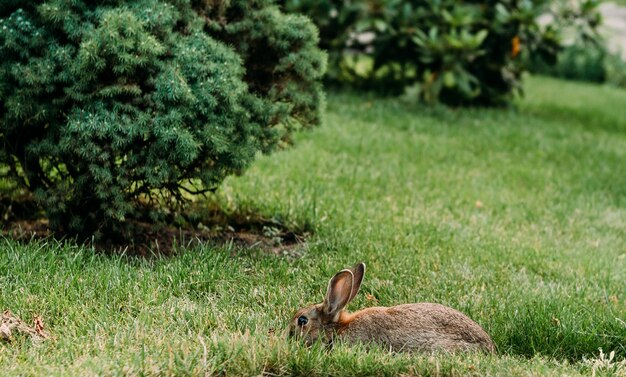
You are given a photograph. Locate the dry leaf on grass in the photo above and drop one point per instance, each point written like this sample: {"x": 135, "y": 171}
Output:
{"x": 5, "y": 331}
{"x": 371, "y": 298}
{"x": 39, "y": 327}
{"x": 11, "y": 325}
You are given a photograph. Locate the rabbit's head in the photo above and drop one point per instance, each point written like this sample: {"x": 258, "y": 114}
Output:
{"x": 321, "y": 321}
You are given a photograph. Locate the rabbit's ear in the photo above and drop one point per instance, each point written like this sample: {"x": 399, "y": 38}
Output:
{"x": 338, "y": 294}
{"x": 357, "y": 272}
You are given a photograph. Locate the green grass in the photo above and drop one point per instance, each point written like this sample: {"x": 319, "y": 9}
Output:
{"x": 540, "y": 263}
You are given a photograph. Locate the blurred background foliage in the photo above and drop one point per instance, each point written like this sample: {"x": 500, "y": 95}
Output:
{"x": 455, "y": 52}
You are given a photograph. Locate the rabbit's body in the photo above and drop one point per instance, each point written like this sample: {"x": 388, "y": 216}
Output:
{"x": 424, "y": 327}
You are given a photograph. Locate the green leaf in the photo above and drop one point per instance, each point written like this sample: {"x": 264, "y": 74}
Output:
{"x": 448, "y": 79}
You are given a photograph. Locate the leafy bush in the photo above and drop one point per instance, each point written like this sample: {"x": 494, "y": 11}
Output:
{"x": 585, "y": 55}
{"x": 465, "y": 52}
{"x": 583, "y": 62}
{"x": 589, "y": 62}
{"x": 583, "y": 52}
{"x": 615, "y": 68}
{"x": 111, "y": 107}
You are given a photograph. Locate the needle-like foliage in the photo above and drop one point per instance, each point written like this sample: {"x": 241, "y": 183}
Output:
{"x": 110, "y": 107}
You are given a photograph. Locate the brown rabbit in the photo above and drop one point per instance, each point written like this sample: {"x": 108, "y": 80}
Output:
{"x": 424, "y": 327}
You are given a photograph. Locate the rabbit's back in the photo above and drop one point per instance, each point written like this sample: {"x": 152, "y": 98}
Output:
{"x": 425, "y": 327}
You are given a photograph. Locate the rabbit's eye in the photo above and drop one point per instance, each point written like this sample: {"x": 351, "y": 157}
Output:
{"x": 302, "y": 320}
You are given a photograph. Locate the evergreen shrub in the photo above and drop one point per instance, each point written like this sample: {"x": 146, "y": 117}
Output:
{"x": 111, "y": 109}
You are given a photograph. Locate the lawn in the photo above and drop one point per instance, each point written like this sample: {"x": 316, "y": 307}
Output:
{"x": 517, "y": 217}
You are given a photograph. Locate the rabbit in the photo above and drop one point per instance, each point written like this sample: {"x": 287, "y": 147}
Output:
{"x": 421, "y": 327}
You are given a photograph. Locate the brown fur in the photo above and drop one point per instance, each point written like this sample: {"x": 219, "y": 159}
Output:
{"x": 423, "y": 327}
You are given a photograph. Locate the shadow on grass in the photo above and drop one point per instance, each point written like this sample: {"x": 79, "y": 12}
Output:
{"x": 580, "y": 116}
{"x": 204, "y": 222}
